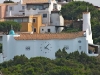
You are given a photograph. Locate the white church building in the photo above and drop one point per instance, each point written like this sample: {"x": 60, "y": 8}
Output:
{"x": 46, "y": 44}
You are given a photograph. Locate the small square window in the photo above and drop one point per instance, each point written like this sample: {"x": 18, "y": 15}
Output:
{"x": 10, "y": 8}
{"x": 48, "y": 30}
{"x": 34, "y": 20}
{"x": 42, "y": 29}
{"x": 80, "y": 47}
{"x": 79, "y": 41}
{"x": 44, "y": 15}
{"x": 34, "y": 29}
{"x": 23, "y": 7}
{"x": 28, "y": 48}
{"x": 23, "y": 13}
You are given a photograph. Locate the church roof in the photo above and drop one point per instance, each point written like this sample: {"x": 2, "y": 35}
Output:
{"x": 49, "y": 36}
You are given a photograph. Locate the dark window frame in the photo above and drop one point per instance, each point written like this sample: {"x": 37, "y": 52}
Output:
{"x": 49, "y": 30}
{"x": 34, "y": 20}
{"x": 10, "y": 8}
{"x": 42, "y": 29}
{"x": 34, "y": 29}
{"x": 23, "y": 7}
{"x": 44, "y": 15}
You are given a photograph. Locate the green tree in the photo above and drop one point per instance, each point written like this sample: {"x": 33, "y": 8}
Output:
{"x": 75, "y": 9}
{"x": 74, "y": 64}
{"x": 61, "y": 53}
{"x": 5, "y": 26}
{"x": 10, "y": 1}
{"x": 20, "y": 59}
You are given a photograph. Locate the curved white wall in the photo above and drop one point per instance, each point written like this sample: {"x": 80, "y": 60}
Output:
{"x": 86, "y": 20}
{"x": 87, "y": 26}
{"x": 57, "y": 20}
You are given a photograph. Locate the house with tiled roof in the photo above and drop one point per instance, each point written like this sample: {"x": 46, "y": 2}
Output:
{"x": 43, "y": 7}
{"x": 3, "y": 10}
{"x": 25, "y": 7}
{"x": 15, "y": 9}
{"x": 46, "y": 44}
{"x": 48, "y": 9}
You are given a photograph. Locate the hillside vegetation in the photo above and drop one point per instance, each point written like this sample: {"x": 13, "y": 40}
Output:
{"x": 64, "y": 64}
{"x": 73, "y": 11}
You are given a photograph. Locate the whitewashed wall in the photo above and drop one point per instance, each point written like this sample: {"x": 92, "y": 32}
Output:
{"x": 45, "y": 11}
{"x": 59, "y": 7}
{"x": 57, "y": 20}
{"x": 1, "y": 57}
{"x": 15, "y": 11}
{"x": 12, "y": 47}
{"x": 9, "y": 46}
{"x": 45, "y": 20}
{"x": 44, "y": 29}
{"x": 87, "y": 26}
{"x": 37, "y": 45}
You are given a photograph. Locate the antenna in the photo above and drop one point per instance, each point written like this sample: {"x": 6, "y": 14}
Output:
{"x": 87, "y": 9}
{"x": 11, "y": 27}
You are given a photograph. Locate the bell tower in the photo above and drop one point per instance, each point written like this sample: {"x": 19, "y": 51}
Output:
{"x": 87, "y": 26}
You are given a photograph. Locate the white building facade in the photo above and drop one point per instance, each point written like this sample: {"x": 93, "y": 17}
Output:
{"x": 42, "y": 8}
{"x": 37, "y": 7}
{"x": 48, "y": 29}
{"x": 16, "y": 9}
{"x": 44, "y": 45}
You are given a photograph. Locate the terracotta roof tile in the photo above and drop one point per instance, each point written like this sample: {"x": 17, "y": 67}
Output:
{"x": 35, "y": 1}
{"x": 27, "y": 36}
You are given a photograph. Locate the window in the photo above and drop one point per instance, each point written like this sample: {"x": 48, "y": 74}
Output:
{"x": 42, "y": 29}
{"x": 27, "y": 47}
{"x": 34, "y": 7}
{"x": 34, "y": 29}
{"x": 34, "y": 20}
{"x": 45, "y": 6}
{"x": 66, "y": 47}
{"x": 23, "y": 13}
{"x": 10, "y": 8}
{"x": 44, "y": 15}
{"x": 23, "y": 7}
{"x": 25, "y": 20}
{"x": 79, "y": 47}
{"x": 40, "y": 7}
{"x": 1, "y": 46}
{"x": 7, "y": 9}
{"x": 79, "y": 41}
{"x": 48, "y": 30}
{"x": 54, "y": 6}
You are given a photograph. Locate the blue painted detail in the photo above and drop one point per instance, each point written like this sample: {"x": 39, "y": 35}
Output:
{"x": 11, "y": 32}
